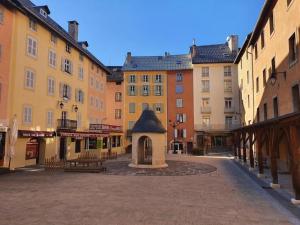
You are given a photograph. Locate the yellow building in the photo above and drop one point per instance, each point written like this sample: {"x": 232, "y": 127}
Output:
{"x": 48, "y": 87}
{"x": 145, "y": 87}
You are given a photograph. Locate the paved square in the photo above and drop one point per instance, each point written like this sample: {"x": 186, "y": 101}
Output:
{"x": 225, "y": 196}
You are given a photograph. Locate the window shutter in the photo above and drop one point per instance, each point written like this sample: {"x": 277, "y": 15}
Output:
{"x": 161, "y": 108}
{"x": 63, "y": 64}
{"x": 61, "y": 87}
{"x": 162, "y": 78}
{"x": 128, "y": 90}
{"x": 69, "y": 92}
{"x": 71, "y": 67}
{"x": 76, "y": 95}
{"x": 184, "y": 117}
{"x": 82, "y": 97}
{"x": 136, "y": 90}
{"x": 149, "y": 90}
{"x": 142, "y": 90}
{"x": 184, "y": 133}
{"x": 153, "y": 78}
{"x": 162, "y": 90}
{"x": 175, "y": 133}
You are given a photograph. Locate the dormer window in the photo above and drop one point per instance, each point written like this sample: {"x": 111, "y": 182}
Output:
{"x": 43, "y": 13}
{"x": 68, "y": 48}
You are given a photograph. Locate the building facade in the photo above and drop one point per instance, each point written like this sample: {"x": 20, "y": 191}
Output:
{"x": 216, "y": 98}
{"x": 276, "y": 99}
{"x": 49, "y": 89}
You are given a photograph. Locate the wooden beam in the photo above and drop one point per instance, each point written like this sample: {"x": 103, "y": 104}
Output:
{"x": 272, "y": 146}
{"x": 295, "y": 147}
{"x": 251, "y": 154}
{"x": 244, "y": 148}
{"x": 260, "y": 154}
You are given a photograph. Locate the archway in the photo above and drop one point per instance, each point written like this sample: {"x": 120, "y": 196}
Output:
{"x": 145, "y": 151}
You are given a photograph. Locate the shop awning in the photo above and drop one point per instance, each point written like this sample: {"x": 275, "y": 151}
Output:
{"x": 81, "y": 135}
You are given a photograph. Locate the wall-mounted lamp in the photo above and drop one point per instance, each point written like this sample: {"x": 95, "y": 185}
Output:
{"x": 61, "y": 104}
{"x": 75, "y": 108}
{"x": 273, "y": 77}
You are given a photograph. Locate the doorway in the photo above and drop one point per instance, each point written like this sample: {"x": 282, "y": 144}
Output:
{"x": 2, "y": 148}
{"x": 62, "y": 148}
{"x": 145, "y": 151}
{"x": 40, "y": 159}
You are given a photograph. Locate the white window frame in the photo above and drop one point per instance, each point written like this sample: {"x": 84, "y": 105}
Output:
{"x": 50, "y": 118}
{"x": 179, "y": 103}
{"x": 52, "y": 58}
{"x": 205, "y": 71}
{"x": 51, "y": 86}
{"x": 158, "y": 90}
{"x": 27, "y": 114}
{"x": 227, "y": 71}
{"x": 32, "y": 47}
{"x": 80, "y": 73}
{"x": 29, "y": 80}
{"x": 205, "y": 85}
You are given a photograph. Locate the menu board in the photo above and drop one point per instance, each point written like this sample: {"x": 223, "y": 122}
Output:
{"x": 32, "y": 149}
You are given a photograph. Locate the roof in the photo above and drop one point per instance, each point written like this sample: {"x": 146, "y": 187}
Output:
{"x": 261, "y": 20}
{"x": 148, "y": 123}
{"x": 219, "y": 53}
{"x": 116, "y": 74}
{"x": 33, "y": 10}
{"x": 158, "y": 63}
{"x": 243, "y": 49}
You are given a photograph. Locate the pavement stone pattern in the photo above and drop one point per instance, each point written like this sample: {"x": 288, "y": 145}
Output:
{"x": 225, "y": 196}
{"x": 175, "y": 168}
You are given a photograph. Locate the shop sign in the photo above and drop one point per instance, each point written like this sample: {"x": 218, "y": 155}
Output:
{"x": 105, "y": 128}
{"x": 29, "y": 134}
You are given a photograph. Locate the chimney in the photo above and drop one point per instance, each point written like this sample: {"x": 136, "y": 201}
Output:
{"x": 84, "y": 44}
{"x": 73, "y": 29}
{"x": 128, "y": 58}
{"x": 233, "y": 43}
{"x": 194, "y": 51}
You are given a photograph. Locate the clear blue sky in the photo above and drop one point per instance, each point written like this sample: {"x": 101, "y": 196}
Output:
{"x": 151, "y": 27}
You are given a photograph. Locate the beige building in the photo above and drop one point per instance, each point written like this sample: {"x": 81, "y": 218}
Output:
{"x": 216, "y": 95}
{"x": 274, "y": 90}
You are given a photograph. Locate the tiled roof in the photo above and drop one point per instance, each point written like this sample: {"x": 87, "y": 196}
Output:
{"x": 116, "y": 74}
{"x": 220, "y": 53}
{"x": 148, "y": 123}
{"x": 158, "y": 63}
{"x": 33, "y": 10}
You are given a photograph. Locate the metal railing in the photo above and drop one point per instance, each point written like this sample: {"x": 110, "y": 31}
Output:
{"x": 66, "y": 124}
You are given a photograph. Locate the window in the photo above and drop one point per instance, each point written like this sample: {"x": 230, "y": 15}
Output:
{"x": 158, "y": 90}
{"x": 131, "y": 124}
{"x": 118, "y": 114}
{"x": 265, "y": 111}
{"x": 29, "y": 79}
{"x": 27, "y": 114}
{"x": 1, "y": 16}
{"x": 145, "y": 106}
{"x": 205, "y": 102}
{"x": 158, "y": 78}
{"x": 131, "y": 107}
{"x": 275, "y": 107}
{"x": 181, "y": 117}
{"x": 81, "y": 57}
{"x": 145, "y": 90}
{"x": 52, "y": 58}
{"x": 67, "y": 66}
{"x": 248, "y": 77}
{"x": 80, "y": 73}
{"x": 179, "y": 89}
{"x": 296, "y": 98}
{"x": 53, "y": 39}
{"x": 132, "y": 79}
{"x": 131, "y": 90}
{"x": 288, "y": 2}
{"x": 273, "y": 63}
{"x": 179, "y": 103}
{"x": 68, "y": 48}
{"x": 158, "y": 108}
{"x": 31, "y": 47}
{"x": 248, "y": 101}
{"x": 32, "y": 25}
{"x": 50, "y": 119}
{"x": 257, "y": 115}
{"x": 264, "y": 77}
{"x": 145, "y": 78}
{"x": 292, "y": 49}
{"x": 92, "y": 100}
{"x": 205, "y": 71}
{"x": 97, "y": 85}
{"x": 91, "y": 81}
{"x": 205, "y": 85}
{"x": 65, "y": 91}
{"x": 79, "y": 96}
{"x": 255, "y": 51}
{"x": 51, "y": 86}
{"x": 227, "y": 71}
{"x": 228, "y": 103}
{"x": 206, "y": 121}
{"x": 262, "y": 39}
{"x": 228, "y": 122}
{"x": 118, "y": 97}
{"x": 228, "y": 85}
{"x": 271, "y": 22}
{"x": 257, "y": 84}
{"x": 179, "y": 77}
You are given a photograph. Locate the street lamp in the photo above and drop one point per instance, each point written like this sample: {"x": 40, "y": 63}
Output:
{"x": 75, "y": 108}
{"x": 174, "y": 125}
{"x": 273, "y": 77}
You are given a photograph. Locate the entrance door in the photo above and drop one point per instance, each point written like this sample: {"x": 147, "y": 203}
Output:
{"x": 62, "y": 148}
{"x": 189, "y": 147}
{"x": 2, "y": 148}
{"x": 41, "y": 152}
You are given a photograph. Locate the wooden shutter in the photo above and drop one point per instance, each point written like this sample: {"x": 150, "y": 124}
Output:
{"x": 184, "y": 117}
{"x": 161, "y": 107}
{"x": 63, "y": 64}
{"x": 162, "y": 90}
{"x": 69, "y": 92}
{"x": 71, "y": 67}
{"x": 61, "y": 87}
{"x": 76, "y": 95}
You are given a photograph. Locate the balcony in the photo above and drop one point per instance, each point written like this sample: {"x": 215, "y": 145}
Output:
{"x": 64, "y": 124}
{"x": 206, "y": 109}
{"x": 229, "y": 110}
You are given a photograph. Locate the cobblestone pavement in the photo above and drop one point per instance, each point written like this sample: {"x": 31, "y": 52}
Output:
{"x": 225, "y": 196}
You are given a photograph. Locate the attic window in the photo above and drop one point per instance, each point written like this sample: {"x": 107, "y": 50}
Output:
{"x": 43, "y": 13}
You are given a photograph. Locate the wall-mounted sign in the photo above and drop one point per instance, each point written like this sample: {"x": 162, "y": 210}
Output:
{"x": 105, "y": 128}
{"x": 32, "y": 148}
{"x": 29, "y": 134}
